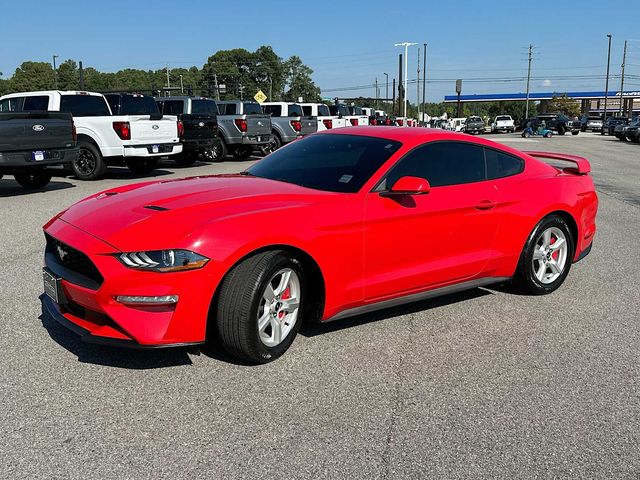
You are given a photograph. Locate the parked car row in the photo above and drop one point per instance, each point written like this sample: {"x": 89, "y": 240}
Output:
{"x": 628, "y": 130}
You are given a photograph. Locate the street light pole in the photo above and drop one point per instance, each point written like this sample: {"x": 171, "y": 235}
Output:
{"x": 55, "y": 73}
{"x": 526, "y": 114}
{"x": 406, "y": 46}
{"x": 386, "y": 83}
{"x": 606, "y": 87}
{"x": 624, "y": 60}
{"x": 181, "y": 85}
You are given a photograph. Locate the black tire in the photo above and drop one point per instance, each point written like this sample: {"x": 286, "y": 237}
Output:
{"x": 32, "y": 179}
{"x": 525, "y": 279}
{"x": 220, "y": 151}
{"x": 89, "y": 165}
{"x": 186, "y": 159}
{"x": 142, "y": 166}
{"x": 526, "y": 134}
{"x": 575, "y": 133}
{"x": 242, "y": 152}
{"x": 239, "y": 301}
{"x": 562, "y": 130}
{"x": 272, "y": 146}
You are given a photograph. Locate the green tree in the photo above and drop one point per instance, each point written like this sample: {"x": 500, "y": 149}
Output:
{"x": 30, "y": 76}
{"x": 68, "y": 75}
{"x": 564, "y": 104}
{"x": 299, "y": 82}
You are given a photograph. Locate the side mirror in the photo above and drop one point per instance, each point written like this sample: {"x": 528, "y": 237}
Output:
{"x": 408, "y": 186}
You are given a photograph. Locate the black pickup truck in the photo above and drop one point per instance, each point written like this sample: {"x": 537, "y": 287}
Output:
{"x": 199, "y": 117}
{"x": 560, "y": 123}
{"x": 32, "y": 141}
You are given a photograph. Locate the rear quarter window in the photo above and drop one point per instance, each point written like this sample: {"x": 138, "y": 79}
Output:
{"x": 251, "y": 108}
{"x": 84, "y": 105}
{"x": 39, "y": 102}
{"x": 500, "y": 164}
{"x": 273, "y": 110}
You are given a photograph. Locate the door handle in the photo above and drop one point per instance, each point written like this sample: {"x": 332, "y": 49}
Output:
{"x": 486, "y": 205}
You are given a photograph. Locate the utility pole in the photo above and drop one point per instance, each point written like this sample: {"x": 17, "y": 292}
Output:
{"x": 181, "y": 85}
{"x": 377, "y": 106}
{"x": 526, "y": 114}
{"x": 386, "y": 93}
{"x": 393, "y": 104}
{"x": 55, "y": 73}
{"x": 168, "y": 84}
{"x": 81, "y": 72}
{"x": 424, "y": 80}
{"x": 418, "y": 87}
{"x": 624, "y": 60}
{"x": 400, "y": 92}
{"x": 406, "y": 46}
{"x": 606, "y": 86}
{"x": 215, "y": 80}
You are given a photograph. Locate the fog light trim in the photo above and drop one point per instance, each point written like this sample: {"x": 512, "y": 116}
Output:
{"x": 147, "y": 300}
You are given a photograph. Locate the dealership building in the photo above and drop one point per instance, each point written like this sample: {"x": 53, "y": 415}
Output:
{"x": 590, "y": 102}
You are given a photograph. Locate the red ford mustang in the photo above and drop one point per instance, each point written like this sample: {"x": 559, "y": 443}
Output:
{"x": 333, "y": 225}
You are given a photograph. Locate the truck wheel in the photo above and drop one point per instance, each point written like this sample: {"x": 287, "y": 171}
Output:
{"x": 89, "y": 165}
{"x": 272, "y": 146}
{"x": 575, "y": 133}
{"x": 142, "y": 165}
{"x": 33, "y": 179}
{"x": 220, "y": 152}
{"x": 242, "y": 152}
{"x": 561, "y": 130}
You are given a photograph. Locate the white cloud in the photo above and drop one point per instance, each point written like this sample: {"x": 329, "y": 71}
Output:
{"x": 546, "y": 83}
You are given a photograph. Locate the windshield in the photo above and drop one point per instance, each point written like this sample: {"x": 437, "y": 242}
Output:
{"x": 204, "y": 107}
{"x": 251, "y": 108}
{"x": 334, "y": 163}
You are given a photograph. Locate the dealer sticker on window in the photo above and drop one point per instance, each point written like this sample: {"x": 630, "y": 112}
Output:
{"x": 345, "y": 178}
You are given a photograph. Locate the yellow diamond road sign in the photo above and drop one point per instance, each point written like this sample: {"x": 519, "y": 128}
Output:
{"x": 260, "y": 96}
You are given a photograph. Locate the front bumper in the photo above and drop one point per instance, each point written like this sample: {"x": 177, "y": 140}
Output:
{"x": 92, "y": 311}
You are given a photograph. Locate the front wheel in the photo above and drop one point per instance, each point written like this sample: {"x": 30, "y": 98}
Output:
{"x": 32, "y": 179}
{"x": 546, "y": 258}
{"x": 242, "y": 152}
{"x": 260, "y": 305}
{"x": 186, "y": 159}
{"x": 219, "y": 152}
{"x": 575, "y": 133}
{"x": 272, "y": 146}
{"x": 526, "y": 134}
{"x": 562, "y": 130}
{"x": 142, "y": 166}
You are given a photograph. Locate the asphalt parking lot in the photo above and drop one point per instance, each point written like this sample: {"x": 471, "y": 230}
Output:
{"x": 480, "y": 384}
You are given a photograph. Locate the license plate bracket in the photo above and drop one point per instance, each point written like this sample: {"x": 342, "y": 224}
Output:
{"x": 52, "y": 286}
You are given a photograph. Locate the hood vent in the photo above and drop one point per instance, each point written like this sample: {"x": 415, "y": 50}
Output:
{"x": 155, "y": 207}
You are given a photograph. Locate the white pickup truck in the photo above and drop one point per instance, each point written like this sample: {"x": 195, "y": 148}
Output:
{"x": 503, "y": 123}
{"x": 326, "y": 121}
{"x": 137, "y": 141}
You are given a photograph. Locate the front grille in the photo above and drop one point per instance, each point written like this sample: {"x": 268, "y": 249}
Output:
{"x": 71, "y": 264}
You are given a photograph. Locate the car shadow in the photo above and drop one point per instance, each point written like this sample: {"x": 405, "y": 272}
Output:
{"x": 314, "y": 329}
{"x": 11, "y": 188}
{"x": 112, "y": 356}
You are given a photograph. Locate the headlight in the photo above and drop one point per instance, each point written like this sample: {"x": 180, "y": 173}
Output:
{"x": 163, "y": 260}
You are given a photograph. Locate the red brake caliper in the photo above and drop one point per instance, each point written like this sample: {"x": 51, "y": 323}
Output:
{"x": 555, "y": 254}
{"x": 285, "y": 295}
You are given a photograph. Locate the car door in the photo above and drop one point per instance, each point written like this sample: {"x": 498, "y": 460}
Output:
{"x": 416, "y": 242}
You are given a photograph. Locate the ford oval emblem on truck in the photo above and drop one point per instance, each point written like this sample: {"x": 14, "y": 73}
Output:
{"x": 38, "y": 128}
{"x": 201, "y": 124}
{"x": 260, "y": 124}
{"x": 155, "y": 127}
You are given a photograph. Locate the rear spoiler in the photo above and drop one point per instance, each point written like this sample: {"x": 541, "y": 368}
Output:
{"x": 582, "y": 164}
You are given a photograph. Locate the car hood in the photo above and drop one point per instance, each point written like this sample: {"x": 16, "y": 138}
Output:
{"x": 155, "y": 214}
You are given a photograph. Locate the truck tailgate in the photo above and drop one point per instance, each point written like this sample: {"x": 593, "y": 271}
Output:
{"x": 258, "y": 124}
{"x": 199, "y": 126}
{"x": 35, "y": 131}
{"x": 145, "y": 131}
{"x": 309, "y": 125}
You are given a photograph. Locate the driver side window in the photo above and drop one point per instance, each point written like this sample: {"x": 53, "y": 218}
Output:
{"x": 441, "y": 164}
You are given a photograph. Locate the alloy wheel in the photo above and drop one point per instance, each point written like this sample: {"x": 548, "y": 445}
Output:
{"x": 279, "y": 305}
{"x": 550, "y": 255}
{"x": 86, "y": 162}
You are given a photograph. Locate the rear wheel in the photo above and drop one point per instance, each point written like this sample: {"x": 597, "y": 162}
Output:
{"x": 89, "y": 165}
{"x": 575, "y": 133}
{"x": 562, "y": 130}
{"x": 546, "y": 258}
{"x": 260, "y": 305}
{"x": 186, "y": 159}
{"x": 242, "y": 152}
{"x": 272, "y": 146}
{"x": 32, "y": 178}
{"x": 220, "y": 151}
{"x": 142, "y": 165}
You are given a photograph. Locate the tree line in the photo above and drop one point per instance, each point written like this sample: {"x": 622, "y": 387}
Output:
{"x": 230, "y": 73}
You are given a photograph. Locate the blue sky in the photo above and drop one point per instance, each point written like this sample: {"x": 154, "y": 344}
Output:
{"x": 347, "y": 43}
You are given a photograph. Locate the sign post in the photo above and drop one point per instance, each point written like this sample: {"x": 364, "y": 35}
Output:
{"x": 458, "y": 91}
